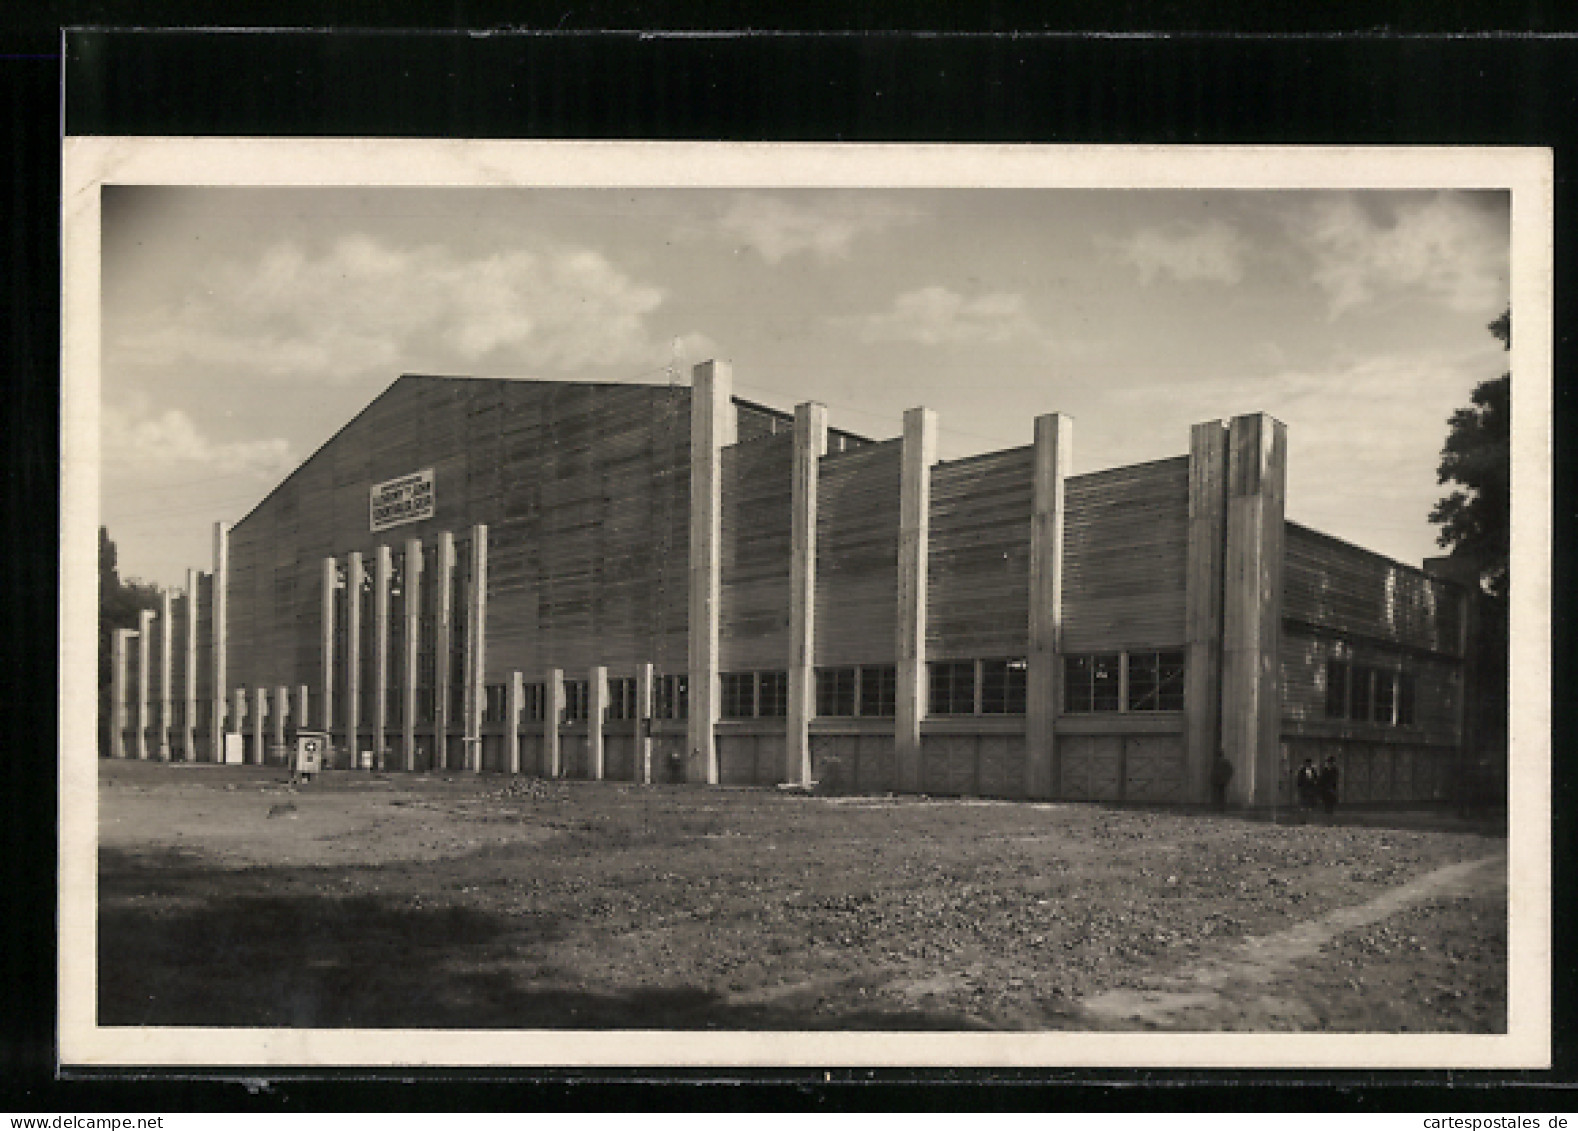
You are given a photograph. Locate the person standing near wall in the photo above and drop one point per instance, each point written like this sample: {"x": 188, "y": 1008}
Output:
{"x": 1221, "y": 774}
{"x": 1327, "y": 785}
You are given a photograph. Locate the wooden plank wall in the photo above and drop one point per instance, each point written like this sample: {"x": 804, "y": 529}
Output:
{"x": 857, "y": 526}
{"x": 575, "y": 482}
{"x": 756, "y": 526}
{"x": 1333, "y": 584}
{"x": 1126, "y": 541}
{"x": 978, "y": 572}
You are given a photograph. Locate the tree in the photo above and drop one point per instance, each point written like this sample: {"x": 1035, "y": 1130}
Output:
{"x": 1475, "y": 519}
{"x": 119, "y": 603}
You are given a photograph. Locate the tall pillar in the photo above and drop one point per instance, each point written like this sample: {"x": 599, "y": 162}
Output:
{"x": 476, "y": 646}
{"x": 513, "y": 709}
{"x": 259, "y": 718}
{"x": 810, "y": 445}
{"x": 382, "y": 568}
{"x": 552, "y": 712}
{"x": 166, "y": 673}
{"x": 189, "y": 671}
{"x": 299, "y": 714}
{"x": 712, "y": 428}
{"x": 1252, "y": 602}
{"x": 641, "y": 756}
{"x": 596, "y": 717}
{"x": 326, "y": 639}
{"x": 278, "y": 715}
{"x": 353, "y": 656}
{"x": 119, "y": 646}
{"x": 238, "y": 712}
{"x": 217, "y": 630}
{"x": 1203, "y": 604}
{"x": 144, "y": 681}
{"x": 443, "y": 597}
{"x": 919, "y": 453}
{"x": 1054, "y": 459}
{"x": 413, "y": 640}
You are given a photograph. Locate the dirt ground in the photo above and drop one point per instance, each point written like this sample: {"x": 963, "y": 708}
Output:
{"x": 229, "y": 898}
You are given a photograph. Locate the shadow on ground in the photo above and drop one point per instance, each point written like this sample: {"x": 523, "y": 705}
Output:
{"x": 182, "y": 944}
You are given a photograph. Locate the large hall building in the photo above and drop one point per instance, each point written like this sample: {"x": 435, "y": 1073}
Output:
{"x": 669, "y": 583}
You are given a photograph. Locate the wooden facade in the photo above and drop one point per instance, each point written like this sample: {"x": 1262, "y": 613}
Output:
{"x": 500, "y": 576}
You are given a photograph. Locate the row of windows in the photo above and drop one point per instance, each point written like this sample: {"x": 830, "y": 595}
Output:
{"x": 1108, "y": 682}
{"x": 1123, "y": 681}
{"x": 1360, "y": 693}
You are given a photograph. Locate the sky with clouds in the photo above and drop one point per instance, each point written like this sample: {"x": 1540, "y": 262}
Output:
{"x": 243, "y": 327}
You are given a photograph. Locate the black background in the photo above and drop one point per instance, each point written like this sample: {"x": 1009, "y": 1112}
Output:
{"x": 1423, "y": 73}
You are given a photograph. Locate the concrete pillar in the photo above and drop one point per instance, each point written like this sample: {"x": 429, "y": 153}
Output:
{"x": 919, "y": 453}
{"x": 641, "y": 757}
{"x": 712, "y": 428}
{"x": 165, "y": 688}
{"x": 353, "y": 656}
{"x": 810, "y": 445}
{"x": 513, "y": 709}
{"x": 476, "y": 646}
{"x": 1203, "y": 604}
{"x": 383, "y": 567}
{"x": 119, "y": 647}
{"x": 326, "y": 638}
{"x": 1054, "y": 459}
{"x": 278, "y": 714}
{"x": 299, "y": 714}
{"x": 413, "y": 637}
{"x": 238, "y": 712}
{"x": 217, "y": 630}
{"x": 443, "y": 597}
{"x": 1252, "y": 603}
{"x": 144, "y": 679}
{"x": 596, "y": 717}
{"x": 552, "y": 711}
{"x": 259, "y": 719}
{"x": 189, "y": 671}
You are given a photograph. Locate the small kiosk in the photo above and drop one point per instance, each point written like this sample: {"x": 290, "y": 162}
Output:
{"x": 307, "y": 759}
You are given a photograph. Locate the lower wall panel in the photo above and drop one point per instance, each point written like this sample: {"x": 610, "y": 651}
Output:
{"x": 619, "y": 752}
{"x": 1375, "y": 772}
{"x": 737, "y": 759}
{"x": 1153, "y": 768}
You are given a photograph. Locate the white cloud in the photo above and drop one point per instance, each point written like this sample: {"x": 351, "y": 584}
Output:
{"x": 1212, "y": 252}
{"x": 936, "y": 315}
{"x": 171, "y": 440}
{"x": 359, "y": 306}
{"x": 776, "y": 228}
{"x": 1444, "y": 246}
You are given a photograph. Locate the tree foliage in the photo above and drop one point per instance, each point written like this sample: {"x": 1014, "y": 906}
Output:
{"x": 1475, "y": 517}
{"x": 119, "y": 603}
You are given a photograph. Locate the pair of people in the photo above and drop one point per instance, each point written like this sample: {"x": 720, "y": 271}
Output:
{"x": 1317, "y": 786}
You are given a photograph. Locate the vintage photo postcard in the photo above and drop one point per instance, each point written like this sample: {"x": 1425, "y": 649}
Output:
{"x": 636, "y": 604}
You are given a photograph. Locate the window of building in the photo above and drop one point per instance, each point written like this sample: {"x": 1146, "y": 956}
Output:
{"x": 877, "y": 691}
{"x": 835, "y": 692}
{"x": 575, "y": 700}
{"x": 772, "y": 694}
{"x": 1385, "y": 696}
{"x": 1091, "y": 683}
{"x": 1003, "y": 687}
{"x": 673, "y": 697}
{"x": 739, "y": 695}
{"x": 495, "y": 703}
{"x": 532, "y": 708}
{"x": 394, "y": 706}
{"x": 424, "y": 704}
{"x": 1156, "y": 681}
{"x": 1406, "y": 695}
{"x": 622, "y": 698}
{"x": 1359, "y": 698}
{"x": 1365, "y": 694}
{"x": 952, "y": 687}
{"x": 1336, "y": 689}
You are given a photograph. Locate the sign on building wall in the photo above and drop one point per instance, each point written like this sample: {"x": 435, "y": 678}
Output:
{"x": 398, "y": 501}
